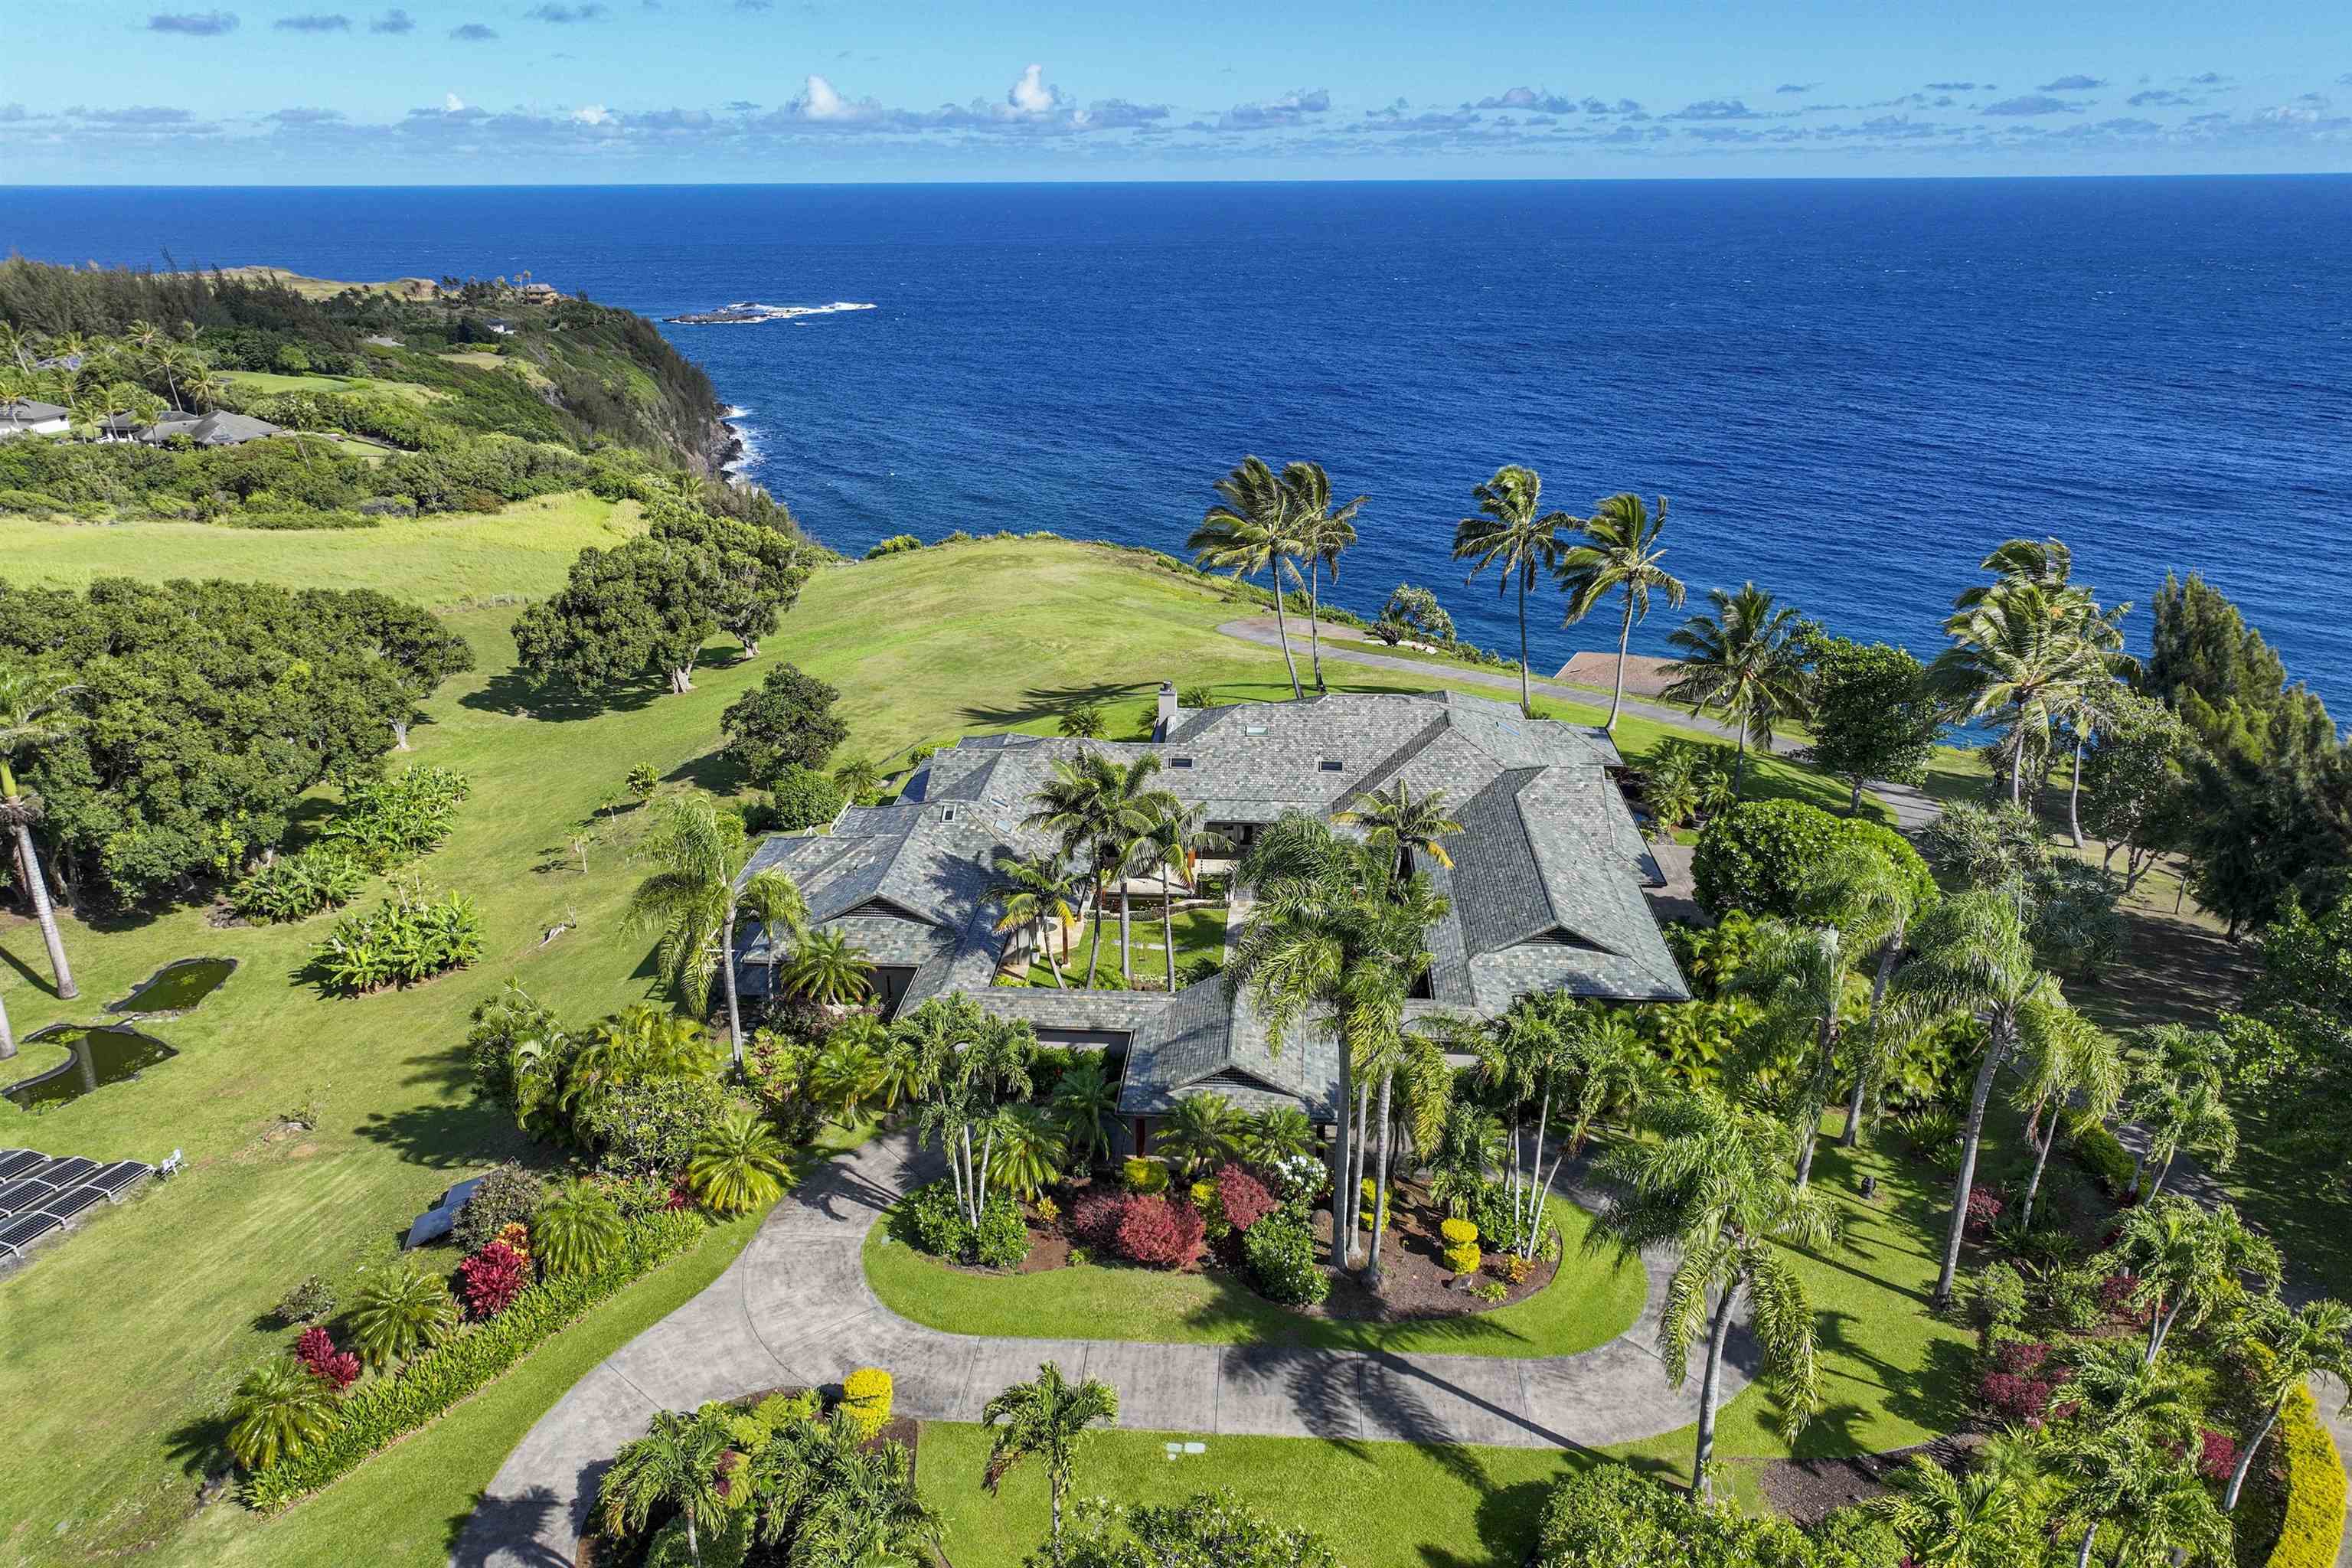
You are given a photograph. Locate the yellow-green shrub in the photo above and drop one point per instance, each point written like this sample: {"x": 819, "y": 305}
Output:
{"x": 865, "y": 1396}
{"x": 2313, "y": 1528}
{"x": 1458, "y": 1232}
{"x": 1466, "y": 1258}
{"x": 1144, "y": 1175}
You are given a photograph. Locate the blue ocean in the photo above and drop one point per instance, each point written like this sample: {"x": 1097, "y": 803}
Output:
{"x": 1848, "y": 390}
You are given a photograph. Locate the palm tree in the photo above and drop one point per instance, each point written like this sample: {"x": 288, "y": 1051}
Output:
{"x": 773, "y": 900}
{"x": 1620, "y": 552}
{"x": 575, "y": 1230}
{"x": 1402, "y": 823}
{"x": 829, "y": 969}
{"x": 1745, "y": 662}
{"x": 966, "y": 1064}
{"x": 639, "y": 1042}
{"x": 7, "y": 1035}
{"x": 858, "y": 777}
{"x": 1256, "y": 528}
{"x": 1712, "y": 1181}
{"x": 1983, "y": 1518}
{"x": 1029, "y": 1152}
{"x": 738, "y": 1165}
{"x": 1615, "y": 1072}
{"x": 2302, "y": 1342}
{"x": 2019, "y": 652}
{"x": 1036, "y": 892}
{"x": 1537, "y": 1036}
{"x": 280, "y": 1409}
{"x": 2186, "y": 1111}
{"x": 1179, "y": 836}
{"x": 1085, "y": 1108}
{"x": 2162, "y": 1508}
{"x": 1324, "y": 531}
{"x": 693, "y": 902}
{"x": 1799, "y": 972}
{"x": 1972, "y": 956}
{"x": 1385, "y": 1049}
{"x": 2187, "y": 1260}
{"x": 34, "y": 712}
{"x": 173, "y": 362}
{"x": 2077, "y": 1067}
{"x": 399, "y": 1312}
{"x": 1045, "y": 1420}
{"x": 1861, "y": 892}
{"x": 852, "y": 1071}
{"x": 1093, "y": 804}
{"x": 675, "y": 1465}
{"x": 825, "y": 1500}
{"x": 1202, "y": 1130}
{"x": 1511, "y": 534}
{"x": 1333, "y": 930}
{"x": 1276, "y": 1133}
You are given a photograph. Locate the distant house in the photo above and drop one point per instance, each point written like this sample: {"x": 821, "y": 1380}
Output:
{"x": 383, "y": 341}
{"x": 503, "y": 329}
{"x": 540, "y": 294}
{"x": 26, "y": 417}
{"x": 62, "y": 362}
{"x": 215, "y": 430}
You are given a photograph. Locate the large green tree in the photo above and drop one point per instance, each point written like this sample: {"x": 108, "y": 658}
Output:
{"x": 1325, "y": 533}
{"x": 1874, "y": 716}
{"x": 785, "y": 722}
{"x": 623, "y": 615}
{"x": 1514, "y": 535}
{"x": 2137, "y": 793}
{"x": 1256, "y": 527}
{"x": 1619, "y": 553}
{"x": 757, "y": 567}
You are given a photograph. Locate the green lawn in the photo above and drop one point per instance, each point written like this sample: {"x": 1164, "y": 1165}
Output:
{"x": 1200, "y": 933}
{"x": 272, "y": 380}
{"x": 1594, "y": 1301}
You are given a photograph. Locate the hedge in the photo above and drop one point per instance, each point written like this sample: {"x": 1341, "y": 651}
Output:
{"x": 2313, "y": 1528}
{"x": 379, "y": 1413}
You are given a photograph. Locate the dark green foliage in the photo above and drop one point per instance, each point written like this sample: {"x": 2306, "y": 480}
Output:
{"x": 509, "y": 1196}
{"x": 309, "y": 1301}
{"x": 404, "y": 939}
{"x": 897, "y": 545}
{"x": 1415, "y": 613}
{"x": 2294, "y": 1035}
{"x": 212, "y": 704}
{"x": 1757, "y": 856}
{"x": 1873, "y": 717}
{"x": 623, "y": 617}
{"x": 927, "y": 1220}
{"x": 385, "y": 822}
{"x": 2258, "y": 834}
{"x": 1280, "y": 1252}
{"x": 1212, "y": 1529}
{"x": 787, "y": 721}
{"x": 650, "y": 1126}
{"x": 296, "y": 887}
{"x": 803, "y": 797}
{"x": 759, "y": 569}
{"x": 2231, "y": 689}
{"x": 1002, "y": 1239}
{"x": 1609, "y": 1516}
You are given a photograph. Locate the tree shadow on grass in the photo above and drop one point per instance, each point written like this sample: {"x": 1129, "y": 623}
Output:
{"x": 1040, "y": 702}
{"x": 199, "y": 1446}
{"x": 445, "y": 1137}
{"x": 717, "y": 772}
{"x": 516, "y": 694}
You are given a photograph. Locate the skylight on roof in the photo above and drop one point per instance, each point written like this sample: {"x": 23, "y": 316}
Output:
{"x": 1180, "y": 761}
{"x": 1254, "y": 729}
{"x": 1334, "y": 765}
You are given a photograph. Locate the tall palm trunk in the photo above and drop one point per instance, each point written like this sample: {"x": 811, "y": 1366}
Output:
{"x": 2017, "y": 765}
{"x": 1046, "y": 939}
{"x": 1282, "y": 631}
{"x": 37, "y": 886}
{"x": 1125, "y": 946}
{"x": 2090, "y": 1534}
{"x": 1357, "y": 1163}
{"x": 1809, "y": 1132}
{"x": 1168, "y": 923}
{"x": 2040, "y": 1159}
{"x": 727, "y": 970}
{"x": 1710, "y": 1391}
{"x": 1739, "y": 761}
{"x": 1093, "y": 936}
{"x": 1342, "y": 1204}
{"x": 2246, "y": 1457}
{"x": 1315, "y": 619}
{"x": 7, "y": 1036}
{"x": 1527, "y": 703}
{"x": 2161, "y": 1172}
{"x": 1535, "y": 1200}
{"x": 1852, "y": 1136}
{"x": 1380, "y": 1184}
{"x": 2075, "y": 797}
{"x": 1971, "y": 1140}
{"x": 1624, "y": 636}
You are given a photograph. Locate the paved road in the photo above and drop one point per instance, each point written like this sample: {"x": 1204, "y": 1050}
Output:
{"x": 795, "y": 1310}
{"x": 1913, "y": 809}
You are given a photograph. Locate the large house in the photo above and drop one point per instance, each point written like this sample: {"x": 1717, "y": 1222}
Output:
{"x": 24, "y": 416}
{"x": 1546, "y": 887}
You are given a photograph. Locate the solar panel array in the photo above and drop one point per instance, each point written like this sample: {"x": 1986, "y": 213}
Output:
{"x": 39, "y": 1192}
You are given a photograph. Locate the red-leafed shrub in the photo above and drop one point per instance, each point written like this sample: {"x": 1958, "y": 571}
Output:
{"x": 2114, "y": 1296}
{"x": 1162, "y": 1234}
{"x": 681, "y": 1196}
{"x": 1093, "y": 1218}
{"x": 316, "y": 1351}
{"x": 2217, "y": 1455}
{"x": 1984, "y": 1209}
{"x": 2026, "y": 1358}
{"x": 493, "y": 1277}
{"x": 2022, "y": 1400}
{"x": 1245, "y": 1197}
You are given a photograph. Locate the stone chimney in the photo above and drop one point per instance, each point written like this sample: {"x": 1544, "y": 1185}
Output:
{"x": 1165, "y": 723}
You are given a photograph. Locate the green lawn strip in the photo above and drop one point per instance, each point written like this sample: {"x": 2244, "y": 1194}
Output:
{"x": 1594, "y": 1301}
{"x": 1200, "y": 933}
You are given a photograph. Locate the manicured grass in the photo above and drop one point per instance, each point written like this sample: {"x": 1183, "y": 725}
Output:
{"x": 1200, "y": 933}
{"x": 271, "y": 381}
{"x": 445, "y": 560}
{"x": 1594, "y": 1301}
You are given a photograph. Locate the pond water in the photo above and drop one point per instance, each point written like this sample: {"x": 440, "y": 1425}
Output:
{"x": 102, "y": 1054}
{"x": 177, "y": 987}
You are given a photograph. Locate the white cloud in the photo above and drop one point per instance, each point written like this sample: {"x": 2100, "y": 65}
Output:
{"x": 819, "y": 101}
{"x": 452, "y": 103}
{"x": 591, "y": 114}
{"x": 1030, "y": 94}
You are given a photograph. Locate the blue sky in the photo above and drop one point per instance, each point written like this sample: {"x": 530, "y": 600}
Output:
{"x": 478, "y": 91}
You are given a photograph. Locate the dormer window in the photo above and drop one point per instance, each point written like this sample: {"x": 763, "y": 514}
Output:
{"x": 947, "y": 814}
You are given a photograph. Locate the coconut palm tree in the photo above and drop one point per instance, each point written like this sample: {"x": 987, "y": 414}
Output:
{"x": 829, "y": 969}
{"x": 33, "y": 711}
{"x": 1619, "y": 554}
{"x": 675, "y": 1465}
{"x": 1178, "y": 837}
{"x": 7, "y": 1035}
{"x": 1745, "y": 662}
{"x": 280, "y": 1409}
{"x": 1512, "y": 534}
{"x": 2187, "y": 1259}
{"x": 2078, "y": 1067}
{"x": 1045, "y": 1420}
{"x": 1971, "y": 955}
{"x": 1402, "y": 823}
{"x": 575, "y": 1230}
{"x": 773, "y": 900}
{"x": 2186, "y": 1111}
{"x": 1036, "y": 892}
{"x": 1538, "y": 1036}
{"x": 1862, "y": 893}
{"x": 1326, "y": 531}
{"x": 1712, "y": 1181}
{"x": 1256, "y": 528}
{"x": 2020, "y": 653}
{"x": 738, "y": 1165}
{"x": 1333, "y": 924}
{"x": 1097, "y": 807}
{"x": 693, "y": 902}
{"x": 2162, "y": 1512}
{"x": 399, "y": 1312}
{"x": 2302, "y": 1342}
{"x": 1085, "y": 1108}
{"x": 1983, "y": 1517}
{"x": 207, "y": 387}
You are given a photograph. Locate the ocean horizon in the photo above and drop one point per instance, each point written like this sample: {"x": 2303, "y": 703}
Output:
{"x": 1848, "y": 390}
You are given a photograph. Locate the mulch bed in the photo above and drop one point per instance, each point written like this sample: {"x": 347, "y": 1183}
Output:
{"x": 1808, "y": 1490}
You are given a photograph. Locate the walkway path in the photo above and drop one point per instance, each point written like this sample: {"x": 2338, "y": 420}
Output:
{"x": 795, "y": 1310}
{"x": 1913, "y": 809}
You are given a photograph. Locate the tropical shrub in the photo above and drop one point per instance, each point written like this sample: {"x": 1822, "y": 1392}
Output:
{"x": 1212, "y": 1529}
{"x": 1161, "y": 1232}
{"x": 1296, "y": 1178}
{"x": 2312, "y": 1530}
{"x": 295, "y": 887}
{"x": 800, "y": 798}
{"x": 384, "y": 1409}
{"x": 1001, "y": 1240}
{"x": 1242, "y": 1198}
{"x": 389, "y": 821}
{"x": 1142, "y": 1173}
{"x": 737, "y": 1163}
{"x": 1093, "y": 1218}
{"x": 2217, "y": 1454}
{"x": 493, "y": 1278}
{"x": 1458, "y": 1232}
{"x": 309, "y": 1301}
{"x": 1996, "y": 1298}
{"x": 1280, "y": 1255}
{"x": 509, "y": 1196}
{"x": 2101, "y": 1153}
{"x": 897, "y": 545}
{"x": 866, "y": 1397}
{"x": 406, "y": 939}
{"x": 1465, "y": 1260}
{"x": 279, "y": 1412}
{"x": 576, "y": 1231}
{"x": 315, "y": 1349}
{"x": 931, "y": 1219}
{"x": 399, "y": 1312}
{"x": 1610, "y": 1516}
{"x": 652, "y": 1126}
{"x": 778, "y": 1411}
{"x": 1758, "y": 854}
{"x": 1985, "y": 1209}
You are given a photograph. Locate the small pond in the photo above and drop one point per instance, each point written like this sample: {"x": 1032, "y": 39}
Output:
{"x": 177, "y": 987}
{"x": 102, "y": 1054}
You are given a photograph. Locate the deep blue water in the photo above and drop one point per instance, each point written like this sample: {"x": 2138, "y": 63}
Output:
{"x": 1849, "y": 390}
